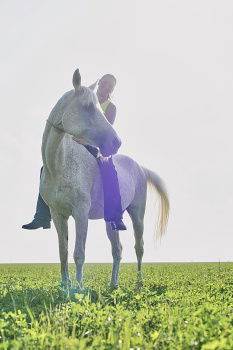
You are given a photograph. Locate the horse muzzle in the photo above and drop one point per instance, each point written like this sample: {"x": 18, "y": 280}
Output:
{"x": 110, "y": 148}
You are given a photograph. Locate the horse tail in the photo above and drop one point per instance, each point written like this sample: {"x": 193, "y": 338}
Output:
{"x": 156, "y": 183}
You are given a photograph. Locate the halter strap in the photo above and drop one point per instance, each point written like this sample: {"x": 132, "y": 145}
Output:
{"x": 55, "y": 127}
{"x": 65, "y": 132}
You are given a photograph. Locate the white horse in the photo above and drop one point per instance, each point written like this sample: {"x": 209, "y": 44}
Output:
{"x": 71, "y": 183}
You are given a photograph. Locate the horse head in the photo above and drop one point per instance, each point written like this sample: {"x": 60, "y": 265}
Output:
{"x": 84, "y": 119}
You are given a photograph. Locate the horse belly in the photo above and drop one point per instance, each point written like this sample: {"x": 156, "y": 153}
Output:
{"x": 97, "y": 199}
{"x": 127, "y": 187}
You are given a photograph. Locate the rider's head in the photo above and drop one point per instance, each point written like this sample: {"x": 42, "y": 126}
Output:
{"x": 106, "y": 85}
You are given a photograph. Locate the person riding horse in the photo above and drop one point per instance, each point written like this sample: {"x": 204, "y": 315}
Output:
{"x": 112, "y": 198}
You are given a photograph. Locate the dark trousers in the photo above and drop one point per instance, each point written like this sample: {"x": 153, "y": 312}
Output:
{"x": 112, "y": 197}
{"x": 42, "y": 210}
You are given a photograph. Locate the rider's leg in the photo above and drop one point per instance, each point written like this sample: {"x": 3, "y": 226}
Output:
{"x": 112, "y": 198}
{"x": 42, "y": 216}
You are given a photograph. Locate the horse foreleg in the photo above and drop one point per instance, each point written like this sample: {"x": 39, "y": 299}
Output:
{"x": 61, "y": 225}
{"x": 81, "y": 225}
{"x": 116, "y": 252}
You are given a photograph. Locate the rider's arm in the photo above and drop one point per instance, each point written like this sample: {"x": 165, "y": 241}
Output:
{"x": 110, "y": 113}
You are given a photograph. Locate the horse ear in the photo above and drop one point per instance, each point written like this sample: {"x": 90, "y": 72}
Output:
{"x": 76, "y": 79}
{"x": 94, "y": 85}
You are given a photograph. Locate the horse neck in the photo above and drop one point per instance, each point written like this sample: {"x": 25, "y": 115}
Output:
{"x": 57, "y": 147}
{"x": 51, "y": 142}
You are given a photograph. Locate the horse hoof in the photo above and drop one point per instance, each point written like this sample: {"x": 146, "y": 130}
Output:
{"x": 139, "y": 284}
{"x": 113, "y": 286}
{"x": 79, "y": 285}
{"x": 66, "y": 284}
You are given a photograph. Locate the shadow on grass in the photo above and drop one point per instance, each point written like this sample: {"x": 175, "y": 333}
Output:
{"x": 158, "y": 289}
{"x": 37, "y": 300}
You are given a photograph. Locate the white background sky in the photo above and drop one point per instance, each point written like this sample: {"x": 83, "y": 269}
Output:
{"x": 173, "y": 62}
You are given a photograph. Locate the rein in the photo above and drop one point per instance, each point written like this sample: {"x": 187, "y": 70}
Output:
{"x": 91, "y": 149}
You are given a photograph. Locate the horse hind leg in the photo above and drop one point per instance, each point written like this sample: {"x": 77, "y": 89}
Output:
{"x": 116, "y": 253}
{"x": 61, "y": 225}
{"x": 136, "y": 211}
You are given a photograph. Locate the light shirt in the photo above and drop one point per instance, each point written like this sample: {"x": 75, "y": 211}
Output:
{"x": 105, "y": 105}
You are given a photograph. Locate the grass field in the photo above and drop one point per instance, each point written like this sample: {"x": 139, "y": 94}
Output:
{"x": 180, "y": 306}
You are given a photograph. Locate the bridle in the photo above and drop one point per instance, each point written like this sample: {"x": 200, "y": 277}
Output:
{"x": 65, "y": 132}
{"x": 56, "y": 127}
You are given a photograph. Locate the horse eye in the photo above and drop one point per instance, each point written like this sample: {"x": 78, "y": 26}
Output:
{"x": 90, "y": 108}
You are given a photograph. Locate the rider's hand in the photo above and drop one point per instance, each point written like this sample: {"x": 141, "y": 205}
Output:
{"x": 103, "y": 159}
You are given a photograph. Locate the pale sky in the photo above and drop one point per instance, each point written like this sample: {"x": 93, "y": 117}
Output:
{"x": 173, "y": 63}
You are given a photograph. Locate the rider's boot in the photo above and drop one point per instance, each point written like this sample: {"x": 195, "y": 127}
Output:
{"x": 118, "y": 225}
{"x": 42, "y": 217}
